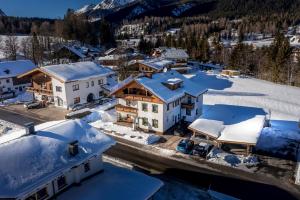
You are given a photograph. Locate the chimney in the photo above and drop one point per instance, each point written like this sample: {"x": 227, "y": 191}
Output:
{"x": 73, "y": 148}
{"x": 29, "y": 127}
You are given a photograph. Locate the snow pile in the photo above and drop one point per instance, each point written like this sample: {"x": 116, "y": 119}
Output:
{"x": 219, "y": 156}
{"x": 103, "y": 113}
{"x": 21, "y": 98}
{"x": 37, "y": 158}
{"x": 7, "y": 127}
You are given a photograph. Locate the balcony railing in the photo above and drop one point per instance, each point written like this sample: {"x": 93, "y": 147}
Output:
{"x": 188, "y": 105}
{"x": 135, "y": 97}
{"x": 122, "y": 108}
{"x": 39, "y": 91}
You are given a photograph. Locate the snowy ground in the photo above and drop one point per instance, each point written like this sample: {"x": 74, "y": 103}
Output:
{"x": 7, "y": 127}
{"x": 21, "y": 98}
{"x": 282, "y": 101}
{"x": 218, "y": 156}
{"x": 103, "y": 118}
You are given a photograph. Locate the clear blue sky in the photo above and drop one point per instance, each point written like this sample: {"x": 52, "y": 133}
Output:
{"x": 41, "y": 8}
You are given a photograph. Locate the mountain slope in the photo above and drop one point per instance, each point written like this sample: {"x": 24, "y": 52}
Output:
{"x": 118, "y": 10}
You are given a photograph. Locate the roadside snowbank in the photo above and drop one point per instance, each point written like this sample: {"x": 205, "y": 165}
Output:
{"x": 21, "y": 98}
{"x": 219, "y": 156}
{"x": 7, "y": 127}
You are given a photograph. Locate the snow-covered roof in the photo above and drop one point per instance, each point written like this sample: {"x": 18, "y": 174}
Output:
{"x": 232, "y": 124}
{"x": 33, "y": 160}
{"x": 247, "y": 131}
{"x": 10, "y": 69}
{"x": 76, "y": 71}
{"x": 156, "y": 86}
{"x": 75, "y": 51}
{"x": 173, "y": 53}
{"x": 109, "y": 51}
{"x": 157, "y": 64}
{"x": 115, "y": 183}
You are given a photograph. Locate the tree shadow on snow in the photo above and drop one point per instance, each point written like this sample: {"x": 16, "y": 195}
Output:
{"x": 211, "y": 81}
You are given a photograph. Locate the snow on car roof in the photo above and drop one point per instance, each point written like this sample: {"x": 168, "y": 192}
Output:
{"x": 77, "y": 71}
{"x": 32, "y": 160}
{"x": 228, "y": 123}
{"x": 156, "y": 86}
{"x": 115, "y": 183}
{"x": 10, "y": 69}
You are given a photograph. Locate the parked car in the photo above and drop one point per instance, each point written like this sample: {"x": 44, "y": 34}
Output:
{"x": 32, "y": 105}
{"x": 185, "y": 146}
{"x": 77, "y": 107}
{"x": 202, "y": 149}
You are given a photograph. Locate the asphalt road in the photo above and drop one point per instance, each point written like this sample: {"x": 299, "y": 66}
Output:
{"x": 176, "y": 170}
{"x": 18, "y": 118}
{"x": 198, "y": 177}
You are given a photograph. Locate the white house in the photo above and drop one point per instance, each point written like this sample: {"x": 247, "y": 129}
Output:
{"x": 9, "y": 70}
{"x": 49, "y": 158}
{"x": 158, "y": 102}
{"x": 66, "y": 85}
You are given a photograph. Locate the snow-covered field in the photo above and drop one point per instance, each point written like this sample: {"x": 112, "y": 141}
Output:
{"x": 281, "y": 100}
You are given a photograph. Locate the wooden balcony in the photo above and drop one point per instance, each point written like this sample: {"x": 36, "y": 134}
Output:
{"x": 188, "y": 105}
{"x": 127, "y": 109}
{"x": 40, "y": 91}
{"x": 136, "y": 97}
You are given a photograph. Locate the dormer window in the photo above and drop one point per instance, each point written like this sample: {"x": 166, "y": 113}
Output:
{"x": 173, "y": 83}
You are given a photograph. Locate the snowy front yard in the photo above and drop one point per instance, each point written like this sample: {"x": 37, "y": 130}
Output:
{"x": 103, "y": 117}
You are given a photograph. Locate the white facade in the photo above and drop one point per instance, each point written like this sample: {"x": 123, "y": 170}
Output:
{"x": 77, "y": 92}
{"x": 166, "y": 116}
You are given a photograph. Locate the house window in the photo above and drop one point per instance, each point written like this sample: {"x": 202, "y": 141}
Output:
{"x": 155, "y": 108}
{"x": 197, "y": 111}
{"x": 127, "y": 102}
{"x": 61, "y": 182}
{"x": 145, "y": 107}
{"x": 168, "y": 106}
{"x": 87, "y": 167}
{"x": 188, "y": 112}
{"x": 155, "y": 123}
{"x": 87, "y": 84}
{"x": 42, "y": 194}
{"x": 58, "y": 89}
{"x": 92, "y": 83}
{"x": 7, "y": 81}
{"x": 145, "y": 121}
{"x": 100, "y": 82}
{"x": 75, "y": 87}
{"x": 101, "y": 94}
{"x": 197, "y": 100}
{"x": 76, "y": 100}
